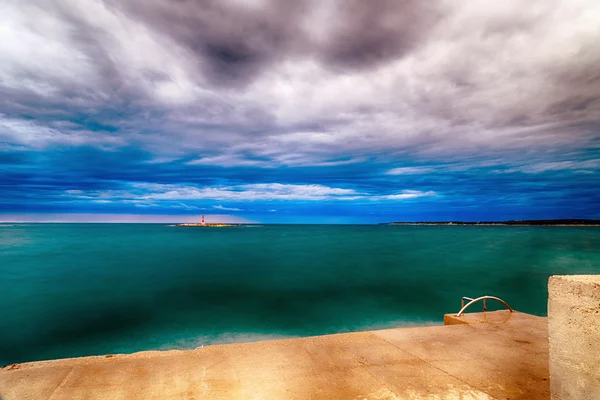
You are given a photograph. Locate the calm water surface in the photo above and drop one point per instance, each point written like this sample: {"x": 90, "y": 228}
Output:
{"x": 82, "y": 289}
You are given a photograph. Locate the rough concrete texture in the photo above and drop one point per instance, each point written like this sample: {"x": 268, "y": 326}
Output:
{"x": 506, "y": 358}
{"x": 574, "y": 330}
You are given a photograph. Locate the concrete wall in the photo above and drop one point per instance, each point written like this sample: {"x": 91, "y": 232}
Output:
{"x": 574, "y": 333}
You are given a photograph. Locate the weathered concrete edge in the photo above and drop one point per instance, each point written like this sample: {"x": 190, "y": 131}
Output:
{"x": 466, "y": 319}
{"x": 84, "y": 360}
{"x": 574, "y": 336}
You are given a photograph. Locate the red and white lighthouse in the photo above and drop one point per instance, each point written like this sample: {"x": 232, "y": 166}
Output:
{"x": 203, "y": 220}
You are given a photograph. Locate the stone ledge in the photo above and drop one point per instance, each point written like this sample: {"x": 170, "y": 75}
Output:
{"x": 574, "y": 336}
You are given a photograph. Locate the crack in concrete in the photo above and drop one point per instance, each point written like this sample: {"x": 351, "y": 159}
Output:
{"x": 62, "y": 382}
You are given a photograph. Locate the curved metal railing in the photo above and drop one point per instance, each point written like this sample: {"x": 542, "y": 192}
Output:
{"x": 484, "y": 298}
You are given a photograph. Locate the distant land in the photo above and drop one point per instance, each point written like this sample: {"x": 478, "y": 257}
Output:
{"x": 207, "y": 225}
{"x": 527, "y": 222}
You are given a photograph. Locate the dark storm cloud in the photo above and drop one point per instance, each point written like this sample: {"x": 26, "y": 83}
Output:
{"x": 456, "y": 77}
{"x": 230, "y": 44}
{"x": 365, "y": 34}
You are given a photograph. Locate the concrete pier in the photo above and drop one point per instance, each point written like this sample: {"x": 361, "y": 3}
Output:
{"x": 501, "y": 355}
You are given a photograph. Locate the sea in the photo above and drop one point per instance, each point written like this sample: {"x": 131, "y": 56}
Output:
{"x": 70, "y": 290}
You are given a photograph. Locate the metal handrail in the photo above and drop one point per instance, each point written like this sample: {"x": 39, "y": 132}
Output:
{"x": 484, "y": 298}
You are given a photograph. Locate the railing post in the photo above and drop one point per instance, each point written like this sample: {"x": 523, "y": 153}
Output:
{"x": 484, "y": 298}
{"x": 462, "y": 301}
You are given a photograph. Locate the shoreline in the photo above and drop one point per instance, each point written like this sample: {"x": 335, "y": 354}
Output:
{"x": 481, "y": 224}
{"x": 509, "y": 222}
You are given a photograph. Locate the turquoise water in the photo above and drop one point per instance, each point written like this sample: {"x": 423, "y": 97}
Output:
{"x": 82, "y": 289}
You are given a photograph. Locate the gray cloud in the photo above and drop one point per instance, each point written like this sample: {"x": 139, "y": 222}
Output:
{"x": 267, "y": 82}
{"x": 229, "y": 42}
{"x": 365, "y": 34}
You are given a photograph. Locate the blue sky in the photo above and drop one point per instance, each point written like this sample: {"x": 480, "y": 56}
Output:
{"x": 299, "y": 111}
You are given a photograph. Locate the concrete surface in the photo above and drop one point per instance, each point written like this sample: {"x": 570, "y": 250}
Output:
{"x": 574, "y": 330}
{"x": 503, "y": 358}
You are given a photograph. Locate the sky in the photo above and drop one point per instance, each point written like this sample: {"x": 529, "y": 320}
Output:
{"x": 299, "y": 111}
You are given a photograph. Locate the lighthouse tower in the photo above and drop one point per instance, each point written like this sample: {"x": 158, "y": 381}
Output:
{"x": 203, "y": 220}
